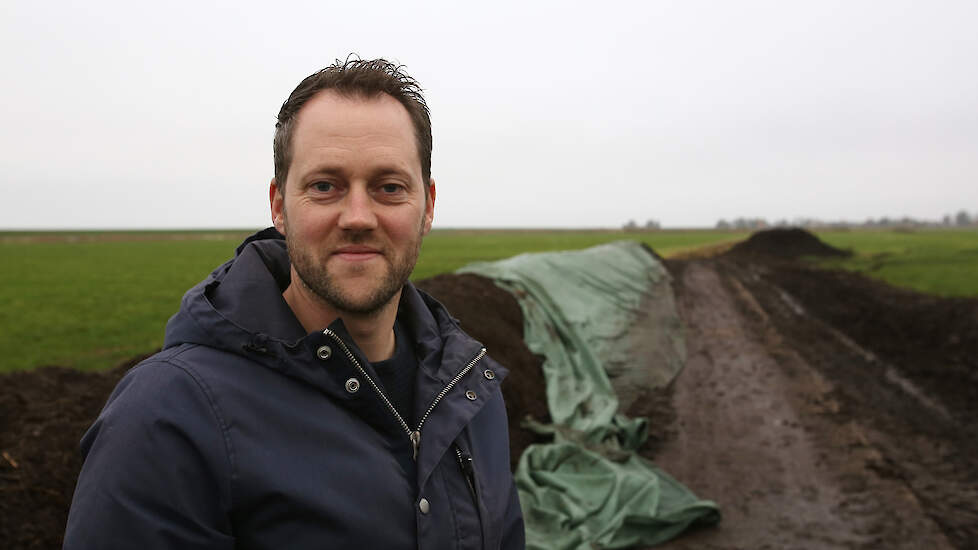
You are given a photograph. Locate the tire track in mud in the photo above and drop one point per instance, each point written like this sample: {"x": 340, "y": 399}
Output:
{"x": 906, "y": 395}
{"x": 762, "y": 432}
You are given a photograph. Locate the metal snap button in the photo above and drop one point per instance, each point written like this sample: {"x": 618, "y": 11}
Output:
{"x": 470, "y": 395}
{"x": 352, "y": 385}
{"x": 424, "y": 506}
{"x": 324, "y": 352}
{"x": 489, "y": 374}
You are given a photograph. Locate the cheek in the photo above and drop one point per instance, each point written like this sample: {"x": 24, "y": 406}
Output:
{"x": 310, "y": 223}
{"x": 403, "y": 225}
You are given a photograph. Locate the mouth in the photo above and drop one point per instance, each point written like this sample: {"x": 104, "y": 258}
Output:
{"x": 356, "y": 253}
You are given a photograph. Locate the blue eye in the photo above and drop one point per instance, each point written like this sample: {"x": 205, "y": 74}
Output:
{"x": 323, "y": 186}
{"x": 391, "y": 188}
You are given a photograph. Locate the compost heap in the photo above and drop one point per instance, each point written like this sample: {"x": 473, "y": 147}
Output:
{"x": 786, "y": 244}
{"x": 879, "y": 453}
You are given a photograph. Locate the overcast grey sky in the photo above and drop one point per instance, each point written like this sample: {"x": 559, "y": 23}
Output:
{"x": 546, "y": 114}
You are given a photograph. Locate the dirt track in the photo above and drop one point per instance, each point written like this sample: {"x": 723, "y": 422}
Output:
{"x": 822, "y": 409}
{"x": 760, "y": 431}
{"x": 819, "y": 409}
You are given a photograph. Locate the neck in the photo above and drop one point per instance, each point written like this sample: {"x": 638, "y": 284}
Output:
{"x": 373, "y": 333}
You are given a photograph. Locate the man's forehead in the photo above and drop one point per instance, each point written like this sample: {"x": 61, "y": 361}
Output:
{"x": 338, "y": 107}
{"x": 331, "y": 120}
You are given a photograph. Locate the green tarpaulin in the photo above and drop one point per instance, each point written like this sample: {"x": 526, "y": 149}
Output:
{"x": 604, "y": 318}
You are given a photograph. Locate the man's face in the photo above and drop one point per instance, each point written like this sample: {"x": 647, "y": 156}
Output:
{"x": 354, "y": 209}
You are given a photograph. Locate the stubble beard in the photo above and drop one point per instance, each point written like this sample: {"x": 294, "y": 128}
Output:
{"x": 314, "y": 276}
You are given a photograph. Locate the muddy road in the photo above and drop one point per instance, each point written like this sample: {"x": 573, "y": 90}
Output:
{"x": 762, "y": 431}
{"x": 821, "y": 409}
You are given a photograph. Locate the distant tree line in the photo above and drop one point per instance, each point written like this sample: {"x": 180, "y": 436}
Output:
{"x": 961, "y": 219}
{"x": 650, "y": 225}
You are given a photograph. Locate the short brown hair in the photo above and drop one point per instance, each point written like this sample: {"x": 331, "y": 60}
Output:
{"x": 358, "y": 78}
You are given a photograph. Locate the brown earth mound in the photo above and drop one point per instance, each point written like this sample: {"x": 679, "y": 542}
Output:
{"x": 931, "y": 340}
{"x": 43, "y": 414}
{"x": 492, "y": 316}
{"x": 788, "y": 243}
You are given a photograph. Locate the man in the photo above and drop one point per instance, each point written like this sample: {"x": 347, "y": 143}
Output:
{"x": 308, "y": 396}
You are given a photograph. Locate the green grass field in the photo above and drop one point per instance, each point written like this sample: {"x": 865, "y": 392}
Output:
{"x": 92, "y": 304}
{"x": 942, "y": 262}
{"x": 92, "y": 299}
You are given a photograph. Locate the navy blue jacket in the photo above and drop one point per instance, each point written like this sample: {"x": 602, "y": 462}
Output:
{"x": 246, "y": 432}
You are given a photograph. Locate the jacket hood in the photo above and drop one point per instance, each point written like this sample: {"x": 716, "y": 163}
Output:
{"x": 239, "y": 308}
{"x": 215, "y": 312}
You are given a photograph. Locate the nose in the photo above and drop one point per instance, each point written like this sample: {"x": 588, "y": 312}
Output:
{"x": 358, "y": 210}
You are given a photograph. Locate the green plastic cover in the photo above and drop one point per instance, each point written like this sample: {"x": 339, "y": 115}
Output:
{"x": 605, "y": 320}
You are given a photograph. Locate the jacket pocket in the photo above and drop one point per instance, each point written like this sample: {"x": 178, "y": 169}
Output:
{"x": 459, "y": 475}
{"x": 468, "y": 472}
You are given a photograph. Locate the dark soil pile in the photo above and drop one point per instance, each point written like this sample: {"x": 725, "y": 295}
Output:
{"x": 492, "y": 316}
{"x": 933, "y": 341}
{"x": 789, "y": 243}
{"x": 44, "y": 412}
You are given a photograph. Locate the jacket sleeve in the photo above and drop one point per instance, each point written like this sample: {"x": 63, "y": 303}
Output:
{"x": 157, "y": 467}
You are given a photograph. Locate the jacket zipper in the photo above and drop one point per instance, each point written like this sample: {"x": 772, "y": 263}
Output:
{"x": 413, "y": 435}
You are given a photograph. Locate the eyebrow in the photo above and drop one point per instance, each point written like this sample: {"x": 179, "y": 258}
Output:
{"x": 389, "y": 171}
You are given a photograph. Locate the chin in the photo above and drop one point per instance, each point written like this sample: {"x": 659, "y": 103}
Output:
{"x": 364, "y": 301}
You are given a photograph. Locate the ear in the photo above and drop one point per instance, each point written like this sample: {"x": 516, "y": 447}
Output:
{"x": 429, "y": 208}
{"x": 276, "y": 200}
